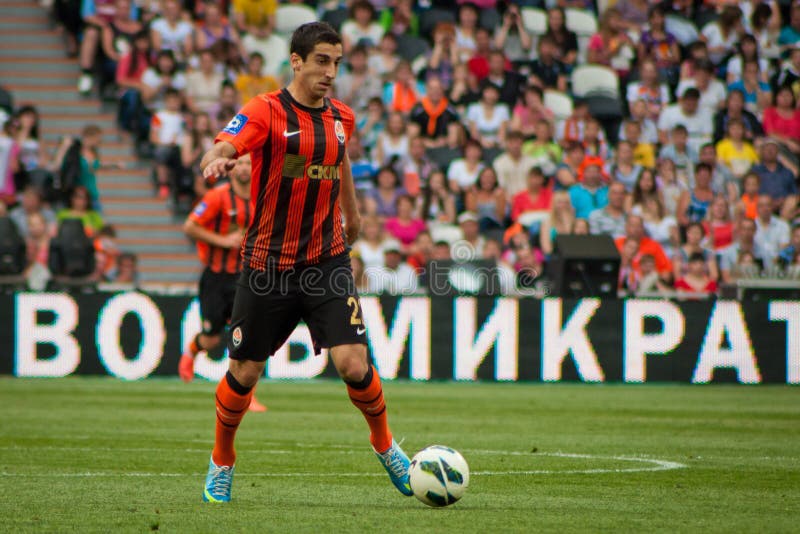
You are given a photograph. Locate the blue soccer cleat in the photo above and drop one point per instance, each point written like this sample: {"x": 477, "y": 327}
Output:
{"x": 218, "y": 483}
{"x": 396, "y": 463}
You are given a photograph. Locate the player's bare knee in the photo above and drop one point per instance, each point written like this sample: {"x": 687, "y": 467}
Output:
{"x": 351, "y": 362}
{"x": 246, "y": 372}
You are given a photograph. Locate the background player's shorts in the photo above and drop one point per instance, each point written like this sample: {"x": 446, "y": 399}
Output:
{"x": 216, "y": 294}
{"x": 269, "y": 304}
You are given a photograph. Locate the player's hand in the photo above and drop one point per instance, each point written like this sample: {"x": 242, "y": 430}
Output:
{"x": 219, "y": 167}
{"x": 352, "y": 228}
{"x": 232, "y": 240}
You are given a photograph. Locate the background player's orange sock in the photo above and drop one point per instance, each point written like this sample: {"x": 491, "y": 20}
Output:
{"x": 233, "y": 400}
{"x": 367, "y": 396}
{"x": 194, "y": 346}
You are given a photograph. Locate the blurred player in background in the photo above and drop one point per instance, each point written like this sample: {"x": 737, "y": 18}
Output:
{"x": 295, "y": 254}
{"x": 217, "y": 224}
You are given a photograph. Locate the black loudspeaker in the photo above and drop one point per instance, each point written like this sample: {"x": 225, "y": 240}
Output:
{"x": 584, "y": 266}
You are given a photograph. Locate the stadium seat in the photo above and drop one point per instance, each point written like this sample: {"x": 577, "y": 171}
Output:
{"x": 682, "y": 28}
{"x": 430, "y": 18}
{"x": 609, "y": 111}
{"x": 584, "y": 24}
{"x": 446, "y": 232}
{"x": 489, "y": 19}
{"x": 559, "y": 103}
{"x": 594, "y": 79}
{"x": 336, "y": 17}
{"x": 290, "y": 16}
{"x": 534, "y": 20}
{"x": 410, "y": 47}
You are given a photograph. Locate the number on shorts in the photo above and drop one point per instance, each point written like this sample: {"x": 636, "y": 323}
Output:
{"x": 354, "y": 319}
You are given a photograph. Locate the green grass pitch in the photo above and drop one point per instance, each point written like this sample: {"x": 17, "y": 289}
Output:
{"x": 101, "y": 455}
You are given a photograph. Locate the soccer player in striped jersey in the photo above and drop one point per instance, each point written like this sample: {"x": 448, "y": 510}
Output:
{"x": 295, "y": 257}
{"x": 217, "y": 224}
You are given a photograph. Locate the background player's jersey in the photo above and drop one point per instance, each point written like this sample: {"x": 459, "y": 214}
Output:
{"x": 221, "y": 212}
{"x": 297, "y": 155}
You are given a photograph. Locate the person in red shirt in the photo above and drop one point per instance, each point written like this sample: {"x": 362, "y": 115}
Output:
{"x": 696, "y": 279}
{"x": 634, "y": 229}
{"x": 535, "y": 198}
{"x": 217, "y": 224}
{"x": 295, "y": 252}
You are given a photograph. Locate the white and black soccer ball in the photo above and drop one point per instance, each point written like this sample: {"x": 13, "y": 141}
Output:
{"x": 439, "y": 475}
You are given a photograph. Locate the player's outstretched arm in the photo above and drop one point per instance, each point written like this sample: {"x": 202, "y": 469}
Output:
{"x": 347, "y": 199}
{"x": 219, "y": 160}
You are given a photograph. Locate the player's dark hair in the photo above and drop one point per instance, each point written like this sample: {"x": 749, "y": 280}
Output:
{"x": 696, "y": 256}
{"x": 309, "y": 35}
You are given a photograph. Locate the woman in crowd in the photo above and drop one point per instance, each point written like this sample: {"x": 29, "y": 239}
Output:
{"x": 671, "y": 188}
{"x": 646, "y": 187}
{"x": 560, "y": 222}
{"x": 719, "y": 224}
{"x": 129, "y": 78}
{"x": 722, "y": 35}
{"x": 204, "y": 84}
{"x": 405, "y": 226}
{"x": 565, "y": 39}
{"x": 361, "y": 26}
{"x": 215, "y": 27}
{"x": 369, "y": 246}
{"x": 529, "y": 111}
{"x": 437, "y": 203}
{"x": 660, "y": 226}
{"x": 392, "y": 143}
{"x": 488, "y": 119}
{"x": 384, "y": 59}
{"x": 660, "y": 46}
{"x": 624, "y": 169}
{"x": 466, "y": 89}
{"x": 79, "y": 206}
{"x": 696, "y": 279}
{"x": 32, "y": 154}
{"x": 782, "y": 119}
{"x": 695, "y": 236}
{"x": 382, "y": 200}
{"x": 443, "y": 58}
{"x": 197, "y": 142}
{"x": 611, "y": 46}
{"x": 488, "y": 200}
{"x": 693, "y": 204}
{"x": 464, "y": 172}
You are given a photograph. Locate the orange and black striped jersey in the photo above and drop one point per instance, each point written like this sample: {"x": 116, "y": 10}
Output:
{"x": 222, "y": 212}
{"x": 297, "y": 155}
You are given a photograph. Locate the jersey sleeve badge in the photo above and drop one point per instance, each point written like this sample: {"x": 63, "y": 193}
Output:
{"x": 236, "y": 124}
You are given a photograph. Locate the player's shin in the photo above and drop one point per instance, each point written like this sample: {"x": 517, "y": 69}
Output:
{"x": 232, "y": 400}
{"x": 367, "y": 396}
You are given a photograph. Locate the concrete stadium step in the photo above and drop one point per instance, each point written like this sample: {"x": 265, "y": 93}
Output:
{"x": 46, "y": 51}
{"x": 55, "y": 64}
{"x": 32, "y": 38}
{"x": 145, "y": 231}
{"x": 69, "y": 123}
{"x": 66, "y": 82}
{"x": 63, "y": 108}
{"x": 54, "y": 134}
{"x": 181, "y": 277}
{"x": 120, "y": 194}
{"x": 156, "y": 248}
{"x": 28, "y": 23}
{"x": 145, "y": 222}
{"x": 119, "y": 205}
{"x": 62, "y": 94}
{"x": 22, "y": 9}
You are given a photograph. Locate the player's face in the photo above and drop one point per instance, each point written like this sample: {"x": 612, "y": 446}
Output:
{"x": 318, "y": 71}
{"x": 242, "y": 171}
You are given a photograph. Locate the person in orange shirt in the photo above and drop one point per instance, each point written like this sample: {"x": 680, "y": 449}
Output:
{"x": 217, "y": 224}
{"x": 254, "y": 82}
{"x": 634, "y": 229}
{"x": 746, "y": 207}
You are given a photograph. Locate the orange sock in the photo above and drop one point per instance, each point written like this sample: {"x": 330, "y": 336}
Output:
{"x": 367, "y": 396}
{"x": 194, "y": 346}
{"x": 233, "y": 400}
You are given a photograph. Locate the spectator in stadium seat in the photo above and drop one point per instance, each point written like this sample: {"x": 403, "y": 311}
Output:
{"x": 32, "y": 202}
{"x": 745, "y": 243}
{"x": 392, "y": 145}
{"x": 117, "y": 37}
{"x": 382, "y": 200}
{"x": 772, "y": 233}
{"x": 568, "y": 171}
{"x": 204, "y": 84}
{"x": 790, "y": 71}
{"x": 723, "y": 182}
{"x": 545, "y": 152}
{"x": 79, "y": 206}
{"x": 624, "y": 170}
{"x": 634, "y": 229}
{"x": 747, "y": 50}
{"x": 488, "y": 200}
{"x": 649, "y": 88}
{"x": 782, "y": 119}
{"x": 697, "y": 52}
{"x": 508, "y": 83}
{"x": 610, "y": 219}
{"x": 32, "y": 154}
{"x": 712, "y": 91}
{"x": 127, "y": 271}
{"x": 214, "y": 27}
{"x": 719, "y": 224}
{"x": 660, "y": 46}
{"x": 535, "y": 198}
{"x": 646, "y": 124}
{"x": 194, "y": 144}
{"x": 594, "y": 142}
{"x": 698, "y": 122}
{"x": 611, "y": 46}
{"x": 356, "y": 85}
{"x": 529, "y": 267}
{"x": 370, "y": 243}
{"x": 417, "y": 167}
{"x": 370, "y": 124}
{"x": 359, "y": 273}
{"x": 432, "y": 116}
{"x": 546, "y": 71}
{"x": 421, "y": 252}
{"x": 735, "y": 152}
{"x": 565, "y": 39}
{"x": 403, "y": 91}
{"x": 696, "y": 279}
{"x": 644, "y": 153}
{"x": 171, "y": 32}
{"x": 788, "y": 255}
{"x": 694, "y": 203}
{"x": 512, "y": 165}
{"x": 37, "y": 242}
{"x": 493, "y": 250}
{"x": 669, "y": 185}
{"x": 129, "y": 79}
{"x": 469, "y": 224}
{"x": 560, "y": 221}
{"x": 777, "y": 181}
{"x": 747, "y": 206}
{"x": 466, "y": 31}
{"x": 163, "y": 75}
{"x": 757, "y": 93}
{"x": 404, "y": 226}
{"x": 437, "y": 202}
{"x": 645, "y": 187}
{"x": 512, "y": 37}
{"x": 254, "y": 82}
{"x": 695, "y": 239}
{"x": 629, "y": 277}
{"x": 734, "y": 109}
{"x": 529, "y": 110}
{"x": 273, "y": 48}
{"x": 581, "y": 227}
{"x": 443, "y": 57}
{"x": 249, "y": 13}
{"x": 399, "y": 18}
{"x": 765, "y": 24}
{"x": 571, "y": 129}
{"x": 660, "y": 225}
{"x": 384, "y": 58}
{"x": 225, "y": 108}
{"x": 166, "y": 131}
{"x": 478, "y": 63}
{"x": 590, "y": 194}
{"x": 790, "y": 33}
{"x": 465, "y": 89}
{"x": 722, "y": 34}
{"x": 361, "y": 27}
{"x": 395, "y": 277}
{"x": 463, "y": 172}
{"x": 441, "y": 251}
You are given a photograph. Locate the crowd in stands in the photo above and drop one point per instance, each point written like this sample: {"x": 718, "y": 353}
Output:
{"x": 474, "y": 139}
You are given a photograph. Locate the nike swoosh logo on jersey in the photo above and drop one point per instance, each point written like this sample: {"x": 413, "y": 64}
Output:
{"x": 290, "y": 134}
{"x": 360, "y": 331}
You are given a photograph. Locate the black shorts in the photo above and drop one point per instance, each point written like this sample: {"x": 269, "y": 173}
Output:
{"x": 216, "y": 294}
{"x": 269, "y": 305}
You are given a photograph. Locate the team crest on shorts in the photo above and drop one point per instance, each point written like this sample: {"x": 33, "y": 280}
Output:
{"x": 339, "y": 129}
{"x": 236, "y": 336}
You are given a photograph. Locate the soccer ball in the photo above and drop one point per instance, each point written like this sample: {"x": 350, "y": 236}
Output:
{"x": 439, "y": 475}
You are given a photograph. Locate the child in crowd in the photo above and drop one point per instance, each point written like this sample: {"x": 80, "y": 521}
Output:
{"x": 166, "y": 129}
